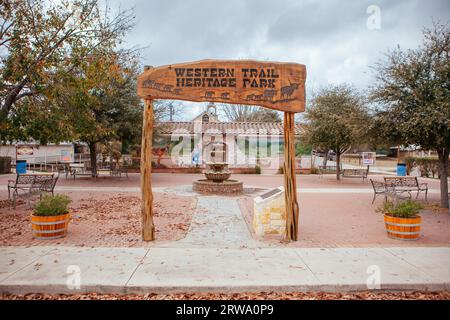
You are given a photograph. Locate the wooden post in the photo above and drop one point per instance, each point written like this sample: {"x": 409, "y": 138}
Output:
{"x": 290, "y": 185}
{"x": 148, "y": 229}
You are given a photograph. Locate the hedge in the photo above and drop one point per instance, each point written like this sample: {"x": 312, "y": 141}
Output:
{"x": 428, "y": 167}
{"x": 5, "y": 165}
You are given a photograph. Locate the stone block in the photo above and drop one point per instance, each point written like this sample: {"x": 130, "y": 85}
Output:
{"x": 269, "y": 215}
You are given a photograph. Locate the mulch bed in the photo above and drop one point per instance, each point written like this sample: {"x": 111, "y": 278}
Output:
{"x": 7, "y": 203}
{"x": 111, "y": 220}
{"x": 416, "y": 295}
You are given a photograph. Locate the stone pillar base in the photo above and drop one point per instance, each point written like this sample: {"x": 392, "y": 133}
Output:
{"x": 269, "y": 215}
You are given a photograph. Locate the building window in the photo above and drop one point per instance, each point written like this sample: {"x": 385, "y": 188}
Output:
{"x": 205, "y": 118}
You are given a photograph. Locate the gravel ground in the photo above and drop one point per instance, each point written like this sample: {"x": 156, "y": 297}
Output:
{"x": 417, "y": 295}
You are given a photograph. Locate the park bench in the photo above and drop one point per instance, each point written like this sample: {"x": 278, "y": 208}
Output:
{"x": 115, "y": 170}
{"x": 28, "y": 185}
{"x": 327, "y": 169}
{"x": 63, "y": 168}
{"x": 380, "y": 188}
{"x": 78, "y": 169}
{"x": 355, "y": 173}
{"x": 406, "y": 184}
{"x": 118, "y": 170}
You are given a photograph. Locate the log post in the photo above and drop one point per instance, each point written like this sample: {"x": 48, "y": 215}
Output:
{"x": 148, "y": 228}
{"x": 290, "y": 185}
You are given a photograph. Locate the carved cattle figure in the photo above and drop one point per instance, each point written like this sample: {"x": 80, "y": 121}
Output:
{"x": 287, "y": 91}
{"x": 270, "y": 94}
{"x": 148, "y": 83}
{"x": 209, "y": 94}
{"x": 168, "y": 88}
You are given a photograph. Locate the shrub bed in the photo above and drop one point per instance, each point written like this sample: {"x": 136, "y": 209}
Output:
{"x": 428, "y": 167}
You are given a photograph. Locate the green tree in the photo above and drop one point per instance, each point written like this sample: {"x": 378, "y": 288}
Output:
{"x": 99, "y": 100}
{"x": 38, "y": 37}
{"x": 335, "y": 120}
{"x": 34, "y": 117}
{"x": 412, "y": 93}
{"x": 302, "y": 148}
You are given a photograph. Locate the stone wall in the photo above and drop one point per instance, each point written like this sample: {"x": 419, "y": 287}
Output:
{"x": 269, "y": 216}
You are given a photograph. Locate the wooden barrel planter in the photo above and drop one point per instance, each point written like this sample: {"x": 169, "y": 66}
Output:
{"x": 403, "y": 228}
{"x": 50, "y": 227}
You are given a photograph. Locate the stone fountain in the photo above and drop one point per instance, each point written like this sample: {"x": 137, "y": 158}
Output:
{"x": 218, "y": 180}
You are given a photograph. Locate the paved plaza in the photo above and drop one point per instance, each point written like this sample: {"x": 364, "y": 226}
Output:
{"x": 342, "y": 247}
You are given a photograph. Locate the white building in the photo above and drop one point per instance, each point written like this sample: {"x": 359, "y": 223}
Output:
{"x": 34, "y": 153}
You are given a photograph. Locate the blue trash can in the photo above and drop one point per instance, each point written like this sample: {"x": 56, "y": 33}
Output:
{"x": 21, "y": 166}
{"x": 401, "y": 169}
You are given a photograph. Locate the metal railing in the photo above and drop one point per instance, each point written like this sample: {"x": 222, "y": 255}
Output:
{"x": 44, "y": 163}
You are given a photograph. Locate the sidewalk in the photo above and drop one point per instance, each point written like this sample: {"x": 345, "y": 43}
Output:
{"x": 172, "y": 270}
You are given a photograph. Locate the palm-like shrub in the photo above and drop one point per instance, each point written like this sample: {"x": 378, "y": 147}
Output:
{"x": 52, "y": 205}
{"x": 407, "y": 209}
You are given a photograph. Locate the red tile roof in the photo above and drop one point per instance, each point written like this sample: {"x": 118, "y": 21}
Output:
{"x": 233, "y": 128}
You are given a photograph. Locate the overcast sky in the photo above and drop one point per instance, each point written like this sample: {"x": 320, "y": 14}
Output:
{"x": 336, "y": 40}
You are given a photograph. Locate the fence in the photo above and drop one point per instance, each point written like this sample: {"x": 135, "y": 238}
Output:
{"x": 44, "y": 163}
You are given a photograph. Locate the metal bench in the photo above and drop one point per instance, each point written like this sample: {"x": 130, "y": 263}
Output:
{"x": 78, "y": 169}
{"x": 355, "y": 173}
{"x": 407, "y": 184}
{"x": 28, "y": 185}
{"x": 379, "y": 188}
{"x": 117, "y": 170}
{"x": 327, "y": 170}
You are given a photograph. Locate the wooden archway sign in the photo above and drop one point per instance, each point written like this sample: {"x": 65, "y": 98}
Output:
{"x": 274, "y": 85}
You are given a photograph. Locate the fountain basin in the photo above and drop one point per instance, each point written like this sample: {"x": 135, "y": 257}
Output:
{"x": 224, "y": 187}
{"x": 217, "y": 177}
{"x": 217, "y": 166}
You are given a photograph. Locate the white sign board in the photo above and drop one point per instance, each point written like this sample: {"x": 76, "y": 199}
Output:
{"x": 368, "y": 158}
{"x": 305, "y": 162}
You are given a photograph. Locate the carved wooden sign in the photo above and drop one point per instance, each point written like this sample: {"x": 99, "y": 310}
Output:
{"x": 275, "y": 85}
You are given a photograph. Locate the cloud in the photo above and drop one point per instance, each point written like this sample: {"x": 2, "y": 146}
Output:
{"x": 330, "y": 37}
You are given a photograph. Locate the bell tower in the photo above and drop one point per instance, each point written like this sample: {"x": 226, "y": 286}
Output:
{"x": 211, "y": 109}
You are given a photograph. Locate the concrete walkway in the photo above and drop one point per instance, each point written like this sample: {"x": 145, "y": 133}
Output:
{"x": 168, "y": 270}
{"x": 217, "y": 223}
